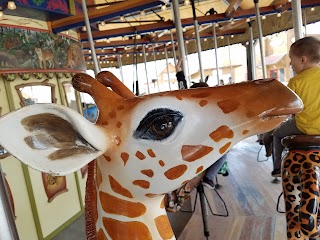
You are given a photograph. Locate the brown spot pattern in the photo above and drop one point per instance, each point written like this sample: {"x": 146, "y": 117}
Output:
{"x": 108, "y": 158}
{"x": 244, "y": 132}
{"x": 164, "y": 227}
{"x": 99, "y": 176}
{"x": 141, "y": 183}
{"x": 199, "y": 169}
{"x": 125, "y": 157}
{"x": 120, "y": 206}
{"x": 229, "y": 105}
{"x": 147, "y": 172}
{"x": 179, "y": 97}
{"x": 101, "y": 235}
{"x": 224, "y": 148}
{"x": 202, "y": 103}
{"x": 112, "y": 114}
{"x": 140, "y": 155}
{"x": 220, "y": 133}
{"x": 151, "y": 153}
{"x": 121, "y": 107}
{"x": 176, "y": 172}
{"x": 151, "y": 195}
{"x": 105, "y": 123}
{"x": 119, "y": 124}
{"x": 117, "y": 188}
{"x": 161, "y": 163}
{"x": 192, "y": 153}
{"x": 201, "y": 95}
{"x": 133, "y": 230}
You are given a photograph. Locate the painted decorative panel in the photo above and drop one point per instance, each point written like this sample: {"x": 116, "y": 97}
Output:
{"x": 58, "y": 6}
{"x": 27, "y": 49}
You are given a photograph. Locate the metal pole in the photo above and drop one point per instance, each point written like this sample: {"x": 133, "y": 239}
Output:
{"x": 258, "y": 18}
{"x": 120, "y": 67}
{"x": 230, "y": 64}
{"x": 155, "y": 66}
{"x": 198, "y": 41}
{"x": 96, "y": 67}
{"x": 216, "y": 51}
{"x": 173, "y": 48}
{"x": 145, "y": 65}
{"x": 8, "y": 228}
{"x": 297, "y": 19}
{"x": 188, "y": 69}
{"x": 166, "y": 53}
{"x": 252, "y": 52}
{"x": 177, "y": 22}
{"x": 305, "y": 21}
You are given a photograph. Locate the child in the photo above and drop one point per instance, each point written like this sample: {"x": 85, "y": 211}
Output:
{"x": 305, "y": 59}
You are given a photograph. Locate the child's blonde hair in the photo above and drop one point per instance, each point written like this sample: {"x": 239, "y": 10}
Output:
{"x": 307, "y": 46}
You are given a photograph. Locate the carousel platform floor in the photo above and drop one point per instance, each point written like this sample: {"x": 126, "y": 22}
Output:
{"x": 249, "y": 195}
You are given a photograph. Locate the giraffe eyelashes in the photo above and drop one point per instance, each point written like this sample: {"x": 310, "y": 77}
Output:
{"x": 158, "y": 124}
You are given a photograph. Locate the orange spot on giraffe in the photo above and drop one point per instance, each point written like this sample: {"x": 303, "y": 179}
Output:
{"x": 151, "y": 153}
{"x": 117, "y": 188}
{"x": 220, "y": 133}
{"x": 151, "y": 195}
{"x": 108, "y": 158}
{"x": 179, "y": 97}
{"x": 162, "y": 205}
{"x": 99, "y": 176}
{"x": 164, "y": 227}
{"x": 202, "y": 103}
{"x": 250, "y": 114}
{"x": 119, "y": 124}
{"x": 161, "y": 163}
{"x": 121, "y": 107}
{"x": 229, "y": 105}
{"x": 140, "y": 155}
{"x": 133, "y": 230}
{"x": 125, "y": 157}
{"x": 120, "y": 206}
{"x": 101, "y": 235}
{"x": 199, "y": 169}
{"x": 147, "y": 172}
{"x": 141, "y": 183}
{"x": 244, "y": 132}
{"x": 192, "y": 153}
{"x": 224, "y": 148}
{"x": 201, "y": 95}
{"x": 112, "y": 114}
{"x": 176, "y": 172}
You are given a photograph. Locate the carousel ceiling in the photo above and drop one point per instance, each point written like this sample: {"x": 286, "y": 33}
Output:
{"x": 121, "y": 28}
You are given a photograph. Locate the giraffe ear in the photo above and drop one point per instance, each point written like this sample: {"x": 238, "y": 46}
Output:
{"x": 51, "y": 138}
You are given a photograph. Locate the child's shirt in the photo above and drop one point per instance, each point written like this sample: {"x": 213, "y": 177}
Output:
{"x": 307, "y": 86}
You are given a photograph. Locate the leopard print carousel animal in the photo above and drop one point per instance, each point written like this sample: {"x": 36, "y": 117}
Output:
{"x": 144, "y": 146}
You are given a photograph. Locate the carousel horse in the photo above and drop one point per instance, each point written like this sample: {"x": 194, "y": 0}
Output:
{"x": 144, "y": 147}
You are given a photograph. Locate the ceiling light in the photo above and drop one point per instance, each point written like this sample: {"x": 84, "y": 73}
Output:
{"x": 184, "y": 29}
{"x": 263, "y": 17}
{"x": 222, "y": 37}
{"x": 138, "y": 36}
{"x": 108, "y": 40}
{"x": 187, "y": 42}
{"x": 186, "y": 2}
{"x": 142, "y": 13}
{"x": 163, "y": 7}
{"x": 102, "y": 23}
{"x": 279, "y": 15}
{"x": 217, "y": 25}
{"x": 205, "y": 39}
{"x": 122, "y": 18}
{"x": 11, "y": 5}
{"x": 84, "y": 28}
{"x": 114, "y": 49}
{"x": 128, "y": 55}
{"x": 248, "y": 20}
{"x": 312, "y": 9}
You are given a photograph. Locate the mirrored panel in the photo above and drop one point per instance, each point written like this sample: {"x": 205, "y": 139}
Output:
{"x": 70, "y": 95}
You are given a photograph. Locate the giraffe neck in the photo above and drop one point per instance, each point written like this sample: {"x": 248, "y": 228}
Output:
{"x": 120, "y": 218}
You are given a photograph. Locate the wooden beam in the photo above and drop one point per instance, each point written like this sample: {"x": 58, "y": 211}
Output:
{"x": 101, "y": 14}
{"x": 232, "y": 7}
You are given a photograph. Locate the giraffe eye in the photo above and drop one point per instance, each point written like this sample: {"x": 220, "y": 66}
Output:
{"x": 158, "y": 124}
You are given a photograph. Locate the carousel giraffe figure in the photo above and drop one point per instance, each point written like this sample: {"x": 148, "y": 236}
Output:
{"x": 143, "y": 146}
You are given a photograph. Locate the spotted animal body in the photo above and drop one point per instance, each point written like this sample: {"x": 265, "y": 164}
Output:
{"x": 144, "y": 146}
